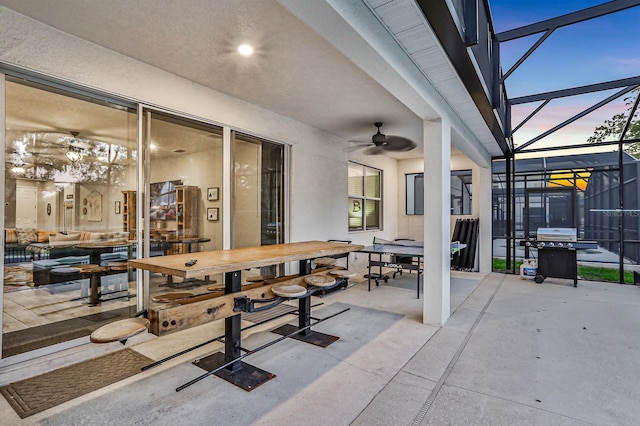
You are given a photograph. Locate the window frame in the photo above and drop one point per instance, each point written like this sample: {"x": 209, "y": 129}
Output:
{"x": 455, "y": 174}
{"x": 366, "y": 171}
{"x": 466, "y": 185}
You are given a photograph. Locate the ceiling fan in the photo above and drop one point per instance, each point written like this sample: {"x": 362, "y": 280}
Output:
{"x": 381, "y": 143}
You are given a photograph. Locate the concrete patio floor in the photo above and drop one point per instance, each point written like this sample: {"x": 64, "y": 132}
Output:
{"x": 513, "y": 353}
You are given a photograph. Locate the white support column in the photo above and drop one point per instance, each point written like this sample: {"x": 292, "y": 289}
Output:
{"x": 437, "y": 209}
{"x": 485, "y": 214}
{"x": 227, "y": 176}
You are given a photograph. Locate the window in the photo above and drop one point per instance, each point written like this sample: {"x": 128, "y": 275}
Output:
{"x": 365, "y": 198}
{"x": 460, "y": 192}
{"x": 415, "y": 193}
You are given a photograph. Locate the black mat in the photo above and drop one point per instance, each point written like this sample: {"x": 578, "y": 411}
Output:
{"x": 36, "y": 394}
{"x": 20, "y": 341}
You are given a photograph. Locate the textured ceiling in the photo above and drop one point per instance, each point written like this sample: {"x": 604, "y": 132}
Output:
{"x": 294, "y": 71}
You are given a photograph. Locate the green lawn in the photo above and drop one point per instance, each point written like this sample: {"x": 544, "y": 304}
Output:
{"x": 500, "y": 265}
{"x": 588, "y": 273}
{"x": 603, "y": 274}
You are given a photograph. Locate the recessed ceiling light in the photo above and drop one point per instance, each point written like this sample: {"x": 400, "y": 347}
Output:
{"x": 153, "y": 146}
{"x": 245, "y": 50}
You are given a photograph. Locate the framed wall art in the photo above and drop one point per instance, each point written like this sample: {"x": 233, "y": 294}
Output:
{"x": 94, "y": 206}
{"x": 212, "y": 214}
{"x": 213, "y": 194}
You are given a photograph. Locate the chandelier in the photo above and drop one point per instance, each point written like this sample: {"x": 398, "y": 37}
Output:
{"x": 74, "y": 153}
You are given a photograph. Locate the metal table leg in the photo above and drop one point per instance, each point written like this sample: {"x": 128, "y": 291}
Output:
{"x": 239, "y": 373}
{"x": 304, "y": 319}
{"x": 418, "y": 281}
{"x": 369, "y": 274}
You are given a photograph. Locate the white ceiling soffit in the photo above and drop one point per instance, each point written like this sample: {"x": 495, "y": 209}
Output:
{"x": 415, "y": 55}
{"x": 407, "y": 24}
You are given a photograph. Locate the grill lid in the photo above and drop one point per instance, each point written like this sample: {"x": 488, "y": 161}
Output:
{"x": 557, "y": 234}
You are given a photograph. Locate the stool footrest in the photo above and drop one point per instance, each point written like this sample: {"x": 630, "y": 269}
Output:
{"x": 245, "y": 304}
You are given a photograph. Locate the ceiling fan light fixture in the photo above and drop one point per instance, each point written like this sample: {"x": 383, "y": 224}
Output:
{"x": 379, "y": 139}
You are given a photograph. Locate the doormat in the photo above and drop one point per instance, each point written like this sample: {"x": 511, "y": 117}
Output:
{"x": 269, "y": 314}
{"x": 36, "y": 394}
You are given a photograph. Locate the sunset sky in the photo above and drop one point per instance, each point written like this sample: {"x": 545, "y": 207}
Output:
{"x": 594, "y": 51}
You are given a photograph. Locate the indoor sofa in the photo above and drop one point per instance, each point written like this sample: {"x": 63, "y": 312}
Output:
{"x": 63, "y": 245}
{"x": 16, "y": 241}
{"x": 43, "y": 276}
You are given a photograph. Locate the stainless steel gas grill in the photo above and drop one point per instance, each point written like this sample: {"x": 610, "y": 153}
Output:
{"x": 557, "y": 253}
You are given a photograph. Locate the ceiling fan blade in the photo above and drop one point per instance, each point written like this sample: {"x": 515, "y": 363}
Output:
{"x": 374, "y": 150}
{"x": 358, "y": 145}
{"x": 399, "y": 144}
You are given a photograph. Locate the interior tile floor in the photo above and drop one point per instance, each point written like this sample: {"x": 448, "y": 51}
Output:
{"x": 513, "y": 352}
{"x": 37, "y": 306}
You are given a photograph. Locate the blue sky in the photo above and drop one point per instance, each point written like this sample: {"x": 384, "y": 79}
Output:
{"x": 598, "y": 50}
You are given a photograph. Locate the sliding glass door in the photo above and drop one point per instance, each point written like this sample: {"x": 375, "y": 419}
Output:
{"x": 258, "y": 192}
{"x": 183, "y": 206}
{"x": 80, "y": 200}
{"x": 68, "y": 159}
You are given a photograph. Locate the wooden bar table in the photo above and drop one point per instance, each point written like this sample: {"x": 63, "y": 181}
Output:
{"x": 231, "y": 263}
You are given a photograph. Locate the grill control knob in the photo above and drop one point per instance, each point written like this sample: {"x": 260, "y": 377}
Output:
{"x": 540, "y": 245}
{"x": 569, "y": 245}
{"x": 552, "y": 245}
{"x": 528, "y": 244}
{"x": 560, "y": 245}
